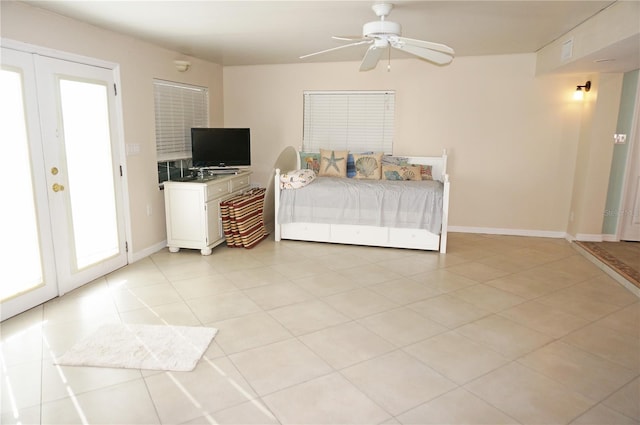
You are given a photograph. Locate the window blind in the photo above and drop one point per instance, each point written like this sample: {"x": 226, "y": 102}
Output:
{"x": 178, "y": 107}
{"x": 357, "y": 121}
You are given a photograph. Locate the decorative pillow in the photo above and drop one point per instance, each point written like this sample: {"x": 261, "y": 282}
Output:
{"x": 425, "y": 172}
{"x": 297, "y": 179}
{"x": 394, "y": 160}
{"x": 333, "y": 163}
{"x": 310, "y": 161}
{"x": 368, "y": 166}
{"x": 351, "y": 164}
{"x": 401, "y": 172}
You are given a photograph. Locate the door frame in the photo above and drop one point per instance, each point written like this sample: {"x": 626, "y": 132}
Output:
{"x": 631, "y": 168}
{"x": 120, "y": 140}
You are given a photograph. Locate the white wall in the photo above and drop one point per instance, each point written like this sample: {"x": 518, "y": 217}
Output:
{"x": 512, "y": 136}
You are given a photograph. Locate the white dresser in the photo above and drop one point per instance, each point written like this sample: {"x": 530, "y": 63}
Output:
{"x": 193, "y": 210}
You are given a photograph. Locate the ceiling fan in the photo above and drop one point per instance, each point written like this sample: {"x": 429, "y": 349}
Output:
{"x": 384, "y": 34}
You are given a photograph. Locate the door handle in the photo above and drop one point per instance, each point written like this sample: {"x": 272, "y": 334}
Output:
{"x": 57, "y": 187}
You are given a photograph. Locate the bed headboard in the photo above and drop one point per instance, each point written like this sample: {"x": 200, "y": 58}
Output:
{"x": 438, "y": 164}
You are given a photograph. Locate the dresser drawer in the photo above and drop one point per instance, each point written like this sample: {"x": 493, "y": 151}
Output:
{"x": 215, "y": 190}
{"x": 238, "y": 183}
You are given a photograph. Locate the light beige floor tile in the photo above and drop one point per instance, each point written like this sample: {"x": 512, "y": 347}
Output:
{"x": 609, "y": 344}
{"x": 359, "y": 303}
{"x": 602, "y": 415}
{"x": 27, "y": 415}
{"x": 626, "y": 320}
{"x": 488, "y": 298}
{"x": 525, "y": 285}
{"x": 528, "y": 396}
{"x": 579, "y": 370}
{"x": 404, "y": 291}
{"x": 135, "y": 275}
{"x": 546, "y": 319}
{"x": 277, "y": 295}
{"x": 57, "y": 381}
{"x": 178, "y": 314}
{"x": 329, "y": 283}
{"x": 222, "y": 306}
{"x": 212, "y": 386}
{"x": 308, "y": 316}
{"x": 504, "y": 336}
{"x": 456, "y": 407}
{"x": 128, "y": 403}
{"x": 22, "y": 338}
{"x": 250, "y": 331}
{"x": 397, "y": 381}
{"x": 412, "y": 264}
{"x": 203, "y": 286}
{"x": 402, "y": 326}
{"x": 257, "y": 276}
{"x": 368, "y": 274}
{"x": 68, "y": 309}
{"x": 605, "y": 287}
{"x": 329, "y": 399}
{"x": 338, "y": 261}
{"x": 127, "y": 299}
{"x": 346, "y": 344}
{"x": 21, "y": 386}
{"x": 448, "y": 310}
{"x": 253, "y": 412}
{"x": 60, "y": 337}
{"x": 477, "y": 271}
{"x": 234, "y": 262}
{"x": 297, "y": 269}
{"x": 573, "y": 301}
{"x": 175, "y": 270}
{"x": 443, "y": 281}
{"x": 456, "y": 357}
{"x": 625, "y": 400}
{"x": 279, "y": 365}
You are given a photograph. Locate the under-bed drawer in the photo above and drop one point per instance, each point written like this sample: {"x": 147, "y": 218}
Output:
{"x": 413, "y": 238}
{"x": 306, "y": 231}
{"x": 364, "y": 235}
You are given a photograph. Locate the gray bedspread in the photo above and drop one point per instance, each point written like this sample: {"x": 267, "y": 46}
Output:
{"x": 382, "y": 203}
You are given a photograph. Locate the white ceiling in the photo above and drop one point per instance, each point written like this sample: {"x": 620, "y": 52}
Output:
{"x": 270, "y": 32}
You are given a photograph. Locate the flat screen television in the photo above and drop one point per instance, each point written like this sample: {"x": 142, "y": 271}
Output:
{"x": 220, "y": 147}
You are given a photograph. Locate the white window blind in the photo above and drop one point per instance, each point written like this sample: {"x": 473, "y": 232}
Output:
{"x": 357, "y": 121}
{"x": 178, "y": 108}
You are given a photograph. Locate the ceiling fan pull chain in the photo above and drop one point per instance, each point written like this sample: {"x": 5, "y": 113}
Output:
{"x": 389, "y": 63}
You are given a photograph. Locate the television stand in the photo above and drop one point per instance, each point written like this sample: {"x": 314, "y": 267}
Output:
{"x": 211, "y": 171}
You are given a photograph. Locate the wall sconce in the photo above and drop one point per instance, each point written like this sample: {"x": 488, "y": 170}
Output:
{"x": 579, "y": 93}
{"x": 182, "y": 66}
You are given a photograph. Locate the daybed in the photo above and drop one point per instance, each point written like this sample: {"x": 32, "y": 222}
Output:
{"x": 399, "y": 214}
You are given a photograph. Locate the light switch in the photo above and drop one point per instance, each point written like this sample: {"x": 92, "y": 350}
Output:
{"x": 619, "y": 139}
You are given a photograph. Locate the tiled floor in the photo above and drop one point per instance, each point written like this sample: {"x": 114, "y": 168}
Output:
{"x": 499, "y": 330}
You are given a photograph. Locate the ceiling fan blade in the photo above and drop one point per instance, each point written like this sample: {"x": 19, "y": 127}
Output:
{"x": 371, "y": 58}
{"x": 347, "y": 37}
{"x": 337, "y": 48}
{"x": 438, "y": 58}
{"x": 397, "y": 41}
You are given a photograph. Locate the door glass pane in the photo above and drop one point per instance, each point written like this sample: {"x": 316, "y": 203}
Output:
{"x": 87, "y": 144}
{"x": 20, "y": 247}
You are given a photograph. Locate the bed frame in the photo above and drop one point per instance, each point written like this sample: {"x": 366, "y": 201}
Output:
{"x": 372, "y": 235}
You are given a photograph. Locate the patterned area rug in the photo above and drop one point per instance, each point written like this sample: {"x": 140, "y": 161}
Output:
{"x": 176, "y": 348}
{"x": 627, "y": 265}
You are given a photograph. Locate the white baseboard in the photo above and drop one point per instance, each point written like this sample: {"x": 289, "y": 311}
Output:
{"x": 139, "y": 255}
{"x": 610, "y": 238}
{"x": 589, "y": 237}
{"x": 508, "y": 232}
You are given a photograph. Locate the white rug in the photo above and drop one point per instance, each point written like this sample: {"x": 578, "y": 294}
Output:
{"x": 176, "y": 348}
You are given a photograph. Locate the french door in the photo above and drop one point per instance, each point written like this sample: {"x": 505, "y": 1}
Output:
{"x": 63, "y": 218}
